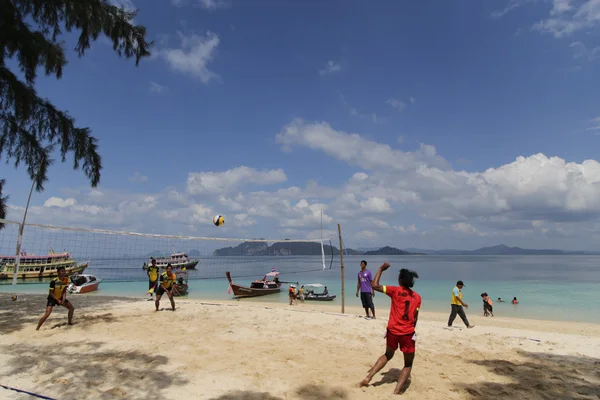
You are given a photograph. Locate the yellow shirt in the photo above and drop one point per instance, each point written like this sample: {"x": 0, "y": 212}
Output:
{"x": 152, "y": 273}
{"x": 57, "y": 287}
{"x": 456, "y": 295}
{"x": 167, "y": 280}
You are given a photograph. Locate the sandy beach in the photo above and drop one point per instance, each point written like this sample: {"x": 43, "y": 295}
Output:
{"x": 120, "y": 348}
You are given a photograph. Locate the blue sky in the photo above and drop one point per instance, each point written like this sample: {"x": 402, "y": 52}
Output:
{"x": 247, "y": 109}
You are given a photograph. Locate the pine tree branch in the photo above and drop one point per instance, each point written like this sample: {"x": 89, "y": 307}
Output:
{"x": 31, "y": 49}
{"x": 91, "y": 18}
{"x": 3, "y": 201}
{"x": 29, "y": 121}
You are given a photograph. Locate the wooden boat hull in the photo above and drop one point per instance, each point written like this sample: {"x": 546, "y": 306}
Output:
{"x": 7, "y": 272}
{"x": 240, "y": 291}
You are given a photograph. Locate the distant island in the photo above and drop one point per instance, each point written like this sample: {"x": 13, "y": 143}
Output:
{"x": 299, "y": 249}
{"x": 291, "y": 248}
{"x": 503, "y": 250}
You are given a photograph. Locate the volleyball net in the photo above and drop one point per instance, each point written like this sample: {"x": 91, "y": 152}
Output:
{"x": 121, "y": 256}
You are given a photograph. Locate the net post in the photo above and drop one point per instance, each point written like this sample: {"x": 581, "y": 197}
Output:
{"x": 18, "y": 255}
{"x": 323, "y": 254}
{"x": 341, "y": 264}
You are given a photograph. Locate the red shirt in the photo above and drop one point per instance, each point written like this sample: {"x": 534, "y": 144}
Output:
{"x": 405, "y": 304}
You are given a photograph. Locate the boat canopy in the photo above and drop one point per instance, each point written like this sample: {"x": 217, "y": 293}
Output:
{"x": 314, "y": 285}
{"x": 274, "y": 273}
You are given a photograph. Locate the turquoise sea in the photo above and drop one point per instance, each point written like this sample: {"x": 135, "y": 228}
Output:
{"x": 560, "y": 288}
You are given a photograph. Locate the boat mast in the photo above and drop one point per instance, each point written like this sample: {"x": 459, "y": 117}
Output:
{"x": 321, "y": 225}
{"x": 18, "y": 255}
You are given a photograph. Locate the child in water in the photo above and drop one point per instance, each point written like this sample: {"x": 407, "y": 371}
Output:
{"x": 487, "y": 305}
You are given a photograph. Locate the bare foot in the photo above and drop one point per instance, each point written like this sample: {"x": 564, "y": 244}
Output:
{"x": 364, "y": 382}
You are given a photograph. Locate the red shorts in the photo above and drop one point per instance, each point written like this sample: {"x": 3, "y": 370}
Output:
{"x": 403, "y": 342}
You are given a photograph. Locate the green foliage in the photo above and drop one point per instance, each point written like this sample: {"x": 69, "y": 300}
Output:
{"x": 31, "y": 128}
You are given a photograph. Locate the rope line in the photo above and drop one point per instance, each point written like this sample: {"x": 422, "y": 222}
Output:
{"x": 39, "y": 396}
{"x": 159, "y": 236}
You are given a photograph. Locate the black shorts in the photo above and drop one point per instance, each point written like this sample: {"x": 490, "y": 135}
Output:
{"x": 151, "y": 284}
{"x": 51, "y": 302}
{"x": 367, "y": 299}
{"x": 160, "y": 290}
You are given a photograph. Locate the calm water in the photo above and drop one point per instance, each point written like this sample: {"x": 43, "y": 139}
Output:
{"x": 548, "y": 287}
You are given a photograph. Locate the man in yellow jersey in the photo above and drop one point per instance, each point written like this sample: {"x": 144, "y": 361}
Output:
{"x": 167, "y": 284}
{"x": 457, "y": 305}
{"x": 58, "y": 296}
{"x": 152, "y": 277}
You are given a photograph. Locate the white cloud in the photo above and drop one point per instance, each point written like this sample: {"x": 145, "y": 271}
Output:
{"x": 155, "y": 87}
{"x": 376, "y": 205}
{"x": 594, "y": 124}
{"x": 330, "y": 68}
{"x": 58, "y": 202}
{"x": 210, "y": 5}
{"x": 565, "y": 18}
{"x": 367, "y": 234}
{"x": 463, "y": 227}
{"x": 137, "y": 177}
{"x": 355, "y": 149}
{"x": 397, "y": 104}
{"x": 581, "y": 51}
{"x": 193, "y": 55}
{"x": 403, "y": 229}
{"x": 534, "y": 201}
{"x": 412, "y": 100}
{"x": 568, "y": 17}
{"x": 223, "y": 182}
{"x": 512, "y": 4}
{"x": 243, "y": 220}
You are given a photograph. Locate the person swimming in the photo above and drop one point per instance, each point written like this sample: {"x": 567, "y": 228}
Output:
{"x": 515, "y": 301}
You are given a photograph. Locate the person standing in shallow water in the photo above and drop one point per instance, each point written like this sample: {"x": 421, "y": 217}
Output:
{"x": 404, "y": 313}
{"x": 364, "y": 287}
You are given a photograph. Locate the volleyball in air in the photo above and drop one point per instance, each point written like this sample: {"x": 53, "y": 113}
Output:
{"x": 218, "y": 220}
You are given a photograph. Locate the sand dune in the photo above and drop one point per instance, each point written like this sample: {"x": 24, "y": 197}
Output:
{"x": 122, "y": 349}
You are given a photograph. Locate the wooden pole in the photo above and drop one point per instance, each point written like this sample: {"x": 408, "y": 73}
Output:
{"x": 342, "y": 264}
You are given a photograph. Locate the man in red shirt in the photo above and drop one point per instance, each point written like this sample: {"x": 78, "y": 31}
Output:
{"x": 400, "y": 333}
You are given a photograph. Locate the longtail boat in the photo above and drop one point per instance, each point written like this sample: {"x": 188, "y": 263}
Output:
{"x": 269, "y": 284}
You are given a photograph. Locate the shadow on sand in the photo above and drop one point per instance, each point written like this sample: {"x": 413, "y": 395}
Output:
{"x": 306, "y": 392}
{"x": 27, "y": 310}
{"x": 540, "y": 376}
{"x": 86, "y": 370}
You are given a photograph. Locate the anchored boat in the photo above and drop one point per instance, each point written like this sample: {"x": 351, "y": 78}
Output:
{"x": 33, "y": 266}
{"x": 269, "y": 284}
{"x": 177, "y": 260}
{"x": 310, "y": 294}
{"x": 81, "y": 283}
